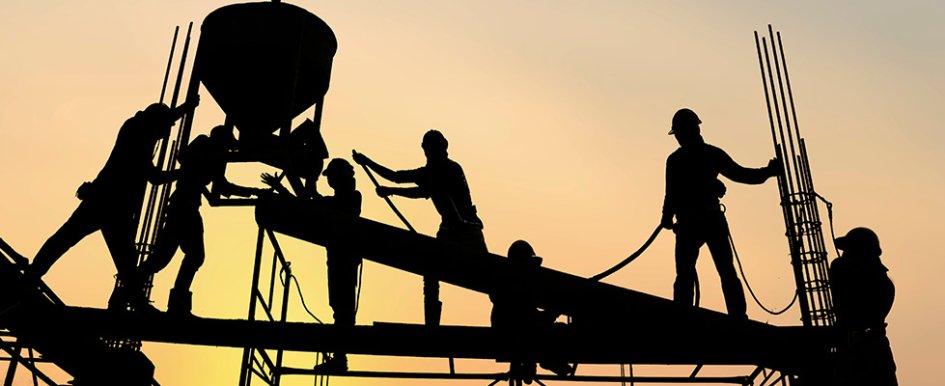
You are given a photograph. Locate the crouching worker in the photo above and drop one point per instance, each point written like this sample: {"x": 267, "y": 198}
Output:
{"x": 202, "y": 162}
{"x": 343, "y": 262}
{"x": 517, "y": 319}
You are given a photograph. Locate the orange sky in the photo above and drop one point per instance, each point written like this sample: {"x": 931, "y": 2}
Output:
{"x": 558, "y": 112}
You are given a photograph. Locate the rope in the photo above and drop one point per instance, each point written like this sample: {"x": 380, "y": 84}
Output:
{"x": 751, "y": 291}
{"x": 833, "y": 235}
{"x": 630, "y": 258}
{"x": 298, "y": 288}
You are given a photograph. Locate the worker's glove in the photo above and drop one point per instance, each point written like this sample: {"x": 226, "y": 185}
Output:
{"x": 384, "y": 191}
{"x": 774, "y": 167}
{"x": 720, "y": 188}
{"x": 667, "y": 221}
{"x": 359, "y": 158}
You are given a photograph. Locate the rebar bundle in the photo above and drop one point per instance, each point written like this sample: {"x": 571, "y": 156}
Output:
{"x": 795, "y": 185}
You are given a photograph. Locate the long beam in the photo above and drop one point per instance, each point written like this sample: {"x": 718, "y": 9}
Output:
{"x": 684, "y": 333}
{"x": 571, "y": 343}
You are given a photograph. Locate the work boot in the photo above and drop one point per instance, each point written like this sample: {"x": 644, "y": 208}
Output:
{"x": 431, "y": 312}
{"x": 335, "y": 365}
{"x": 561, "y": 369}
{"x": 179, "y": 302}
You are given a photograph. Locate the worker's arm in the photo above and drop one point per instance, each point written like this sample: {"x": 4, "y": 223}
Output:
{"x": 669, "y": 200}
{"x": 735, "y": 172}
{"x": 411, "y": 192}
{"x": 159, "y": 177}
{"x": 399, "y": 177}
{"x": 225, "y": 188}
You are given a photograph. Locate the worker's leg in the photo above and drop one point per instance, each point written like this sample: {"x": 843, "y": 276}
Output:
{"x": 191, "y": 243}
{"x": 82, "y": 223}
{"x": 118, "y": 230}
{"x": 721, "y": 252}
{"x": 342, "y": 279}
{"x": 688, "y": 243}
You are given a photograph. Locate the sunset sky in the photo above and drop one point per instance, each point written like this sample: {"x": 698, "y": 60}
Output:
{"x": 558, "y": 112}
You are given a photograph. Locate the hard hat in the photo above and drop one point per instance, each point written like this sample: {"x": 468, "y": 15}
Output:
{"x": 159, "y": 112}
{"x": 862, "y": 240}
{"x": 684, "y": 119}
{"x": 338, "y": 167}
{"x": 434, "y": 138}
{"x": 522, "y": 252}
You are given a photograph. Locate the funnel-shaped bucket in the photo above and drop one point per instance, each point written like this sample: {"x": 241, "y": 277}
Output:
{"x": 264, "y": 63}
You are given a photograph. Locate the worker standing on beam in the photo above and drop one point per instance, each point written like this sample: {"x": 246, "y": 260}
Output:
{"x": 443, "y": 181}
{"x": 112, "y": 202}
{"x": 692, "y": 196}
{"x": 863, "y": 296}
{"x": 202, "y": 162}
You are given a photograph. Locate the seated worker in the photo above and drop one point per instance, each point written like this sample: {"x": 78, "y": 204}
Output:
{"x": 343, "y": 263}
{"x": 202, "y": 162}
{"x": 862, "y": 296}
{"x": 518, "y": 320}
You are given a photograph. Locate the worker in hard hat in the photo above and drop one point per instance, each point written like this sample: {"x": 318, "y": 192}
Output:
{"x": 202, "y": 162}
{"x": 862, "y": 297}
{"x": 517, "y": 319}
{"x": 692, "y": 197}
{"x": 441, "y": 180}
{"x": 111, "y": 203}
{"x": 343, "y": 262}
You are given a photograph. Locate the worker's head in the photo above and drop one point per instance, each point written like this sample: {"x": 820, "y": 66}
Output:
{"x": 521, "y": 252}
{"x": 434, "y": 145}
{"x": 340, "y": 174}
{"x": 223, "y": 135}
{"x": 859, "y": 241}
{"x": 160, "y": 117}
{"x": 685, "y": 126}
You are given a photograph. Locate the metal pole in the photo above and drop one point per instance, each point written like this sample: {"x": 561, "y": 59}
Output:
{"x": 784, "y": 188}
{"x": 167, "y": 71}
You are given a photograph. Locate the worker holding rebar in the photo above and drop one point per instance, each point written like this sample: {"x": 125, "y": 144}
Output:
{"x": 862, "y": 296}
{"x": 692, "y": 197}
{"x": 202, "y": 162}
{"x": 111, "y": 203}
{"x": 441, "y": 180}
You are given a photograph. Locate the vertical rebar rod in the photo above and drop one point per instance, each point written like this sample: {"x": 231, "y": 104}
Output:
{"x": 810, "y": 182}
{"x": 805, "y": 221}
{"x": 167, "y": 71}
{"x": 783, "y": 182}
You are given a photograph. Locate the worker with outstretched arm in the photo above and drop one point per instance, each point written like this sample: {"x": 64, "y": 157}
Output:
{"x": 692, "y": 197}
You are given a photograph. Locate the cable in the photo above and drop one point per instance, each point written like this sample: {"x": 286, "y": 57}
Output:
{"x": 833, "y": 235}
{"x": 750, "y": 290}
{"x": 630, "y": 258}
{"x": 298, "y": 287}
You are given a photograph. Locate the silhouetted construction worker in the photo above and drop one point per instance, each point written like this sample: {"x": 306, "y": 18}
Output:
{"x": 862, "y": 296}
{"x": 443, "y": 181}
{"x": 516, "y": 317}
{"x": 112, "y": 202}
{"x": 692, "y": 196}
{"x": 343, "y": 262}
{"x": 306, "y": 158}
{"x": 202, "y": 162}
